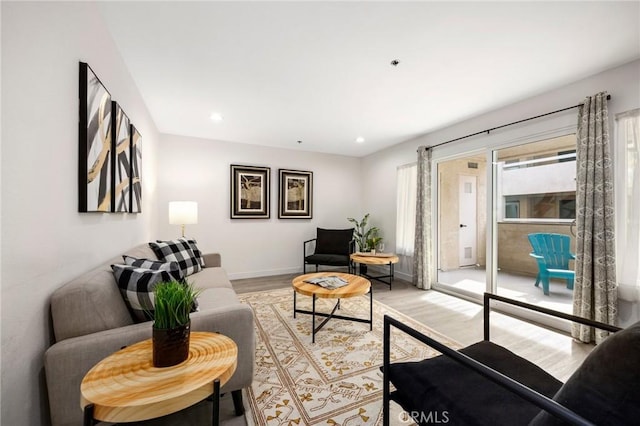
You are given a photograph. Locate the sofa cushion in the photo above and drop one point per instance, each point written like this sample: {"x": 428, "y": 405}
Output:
{"x": 210, "y": 278}
{"x": 604, "y": 389}
{"x": 155, "y": 265}
{"x": 215, "y": 298}
{"x": 440, "y": 384}
{"x": 178, "y": 251}
{"x": 136, "y": 285}
{"x": 333, "y": 241}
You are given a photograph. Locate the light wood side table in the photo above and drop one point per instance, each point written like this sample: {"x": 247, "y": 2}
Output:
{"x": 126, "y": 387}
{"x": 357, "y": 286}
{"x": 388, "y": 259}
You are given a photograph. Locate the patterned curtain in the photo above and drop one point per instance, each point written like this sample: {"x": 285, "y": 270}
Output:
{"x": 423, "y": 256}
{"x": 595, "y": 292}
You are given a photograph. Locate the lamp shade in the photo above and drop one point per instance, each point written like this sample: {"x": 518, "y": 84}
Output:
{"x": 183, "y": 212}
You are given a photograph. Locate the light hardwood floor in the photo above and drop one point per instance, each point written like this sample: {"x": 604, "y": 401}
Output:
{"x": 461, "y": 320}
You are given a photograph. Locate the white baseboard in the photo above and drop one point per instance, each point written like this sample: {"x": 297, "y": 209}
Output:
{"x": 264, "y": 273}
{"x": 297, "y": 270}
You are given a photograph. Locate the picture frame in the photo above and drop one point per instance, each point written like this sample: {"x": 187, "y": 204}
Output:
{"x": 250, "y": 192}
{"x": 295, "y": 195}
{"x": 95, "y": 183}
{"x": 120, "y": 159}
{"x": 135, "y": 195}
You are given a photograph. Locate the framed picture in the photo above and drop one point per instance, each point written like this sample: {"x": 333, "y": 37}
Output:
{"x": 135, "y": 195}
{"x": 95, "y": 184}
{"x": 121, "y": 159}
{"x": 295, "y": 198}
{"x": 250, "y": 194}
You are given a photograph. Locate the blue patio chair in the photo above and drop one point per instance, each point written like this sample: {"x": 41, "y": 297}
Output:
{"x": 552, "y": 253}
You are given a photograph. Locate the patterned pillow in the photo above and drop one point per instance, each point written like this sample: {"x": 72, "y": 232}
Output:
{"x": 136, "y": 285}
{"x": 156, "y": 265}
{"x": 196, "y": 251}
{"x": 177, "y": 251}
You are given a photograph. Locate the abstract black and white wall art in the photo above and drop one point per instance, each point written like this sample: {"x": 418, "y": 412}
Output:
{"x": 295, "y": 198}
{"x": 250, "y": 192}
{"x": 94, "y": 171}
{"x": 121, "y": 148}
{"x": 135, "y": 194}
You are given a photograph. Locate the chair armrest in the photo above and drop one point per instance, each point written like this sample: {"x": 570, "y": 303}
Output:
{"x": 304, "y": 246}
{"x": 521, "y": 390}
{"x": 536, "y": 308}
{"x": 212, "y": 260}
{"x": 536, "y": 256}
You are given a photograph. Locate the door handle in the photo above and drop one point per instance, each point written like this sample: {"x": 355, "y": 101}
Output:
{"x": 463, "y": 226}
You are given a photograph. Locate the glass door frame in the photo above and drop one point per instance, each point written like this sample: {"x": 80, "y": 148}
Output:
{"x": 436, "y": 203}
{"x": 490, "y": 149}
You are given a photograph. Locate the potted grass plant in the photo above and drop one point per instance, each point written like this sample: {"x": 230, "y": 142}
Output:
{"x": 173, "y": 302}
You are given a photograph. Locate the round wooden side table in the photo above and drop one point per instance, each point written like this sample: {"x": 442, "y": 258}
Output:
{"x": 388, "y": 259}
{"x": 126, "y": 387}
{"x": 357, "y": 286}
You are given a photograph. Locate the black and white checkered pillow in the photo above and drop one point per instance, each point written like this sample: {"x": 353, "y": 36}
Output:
{"x": 194, "y": 246}
{"x": 156, "y": 265}
{"x": 136, "y": 285}
{"x": 177, "y": 251}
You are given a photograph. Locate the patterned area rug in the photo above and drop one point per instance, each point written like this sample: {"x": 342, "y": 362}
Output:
{"x": 335, "y": 381}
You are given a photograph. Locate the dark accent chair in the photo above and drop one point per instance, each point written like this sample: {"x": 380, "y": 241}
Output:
{"x": 486, "y": 384}
{"x": 333, "y": 247}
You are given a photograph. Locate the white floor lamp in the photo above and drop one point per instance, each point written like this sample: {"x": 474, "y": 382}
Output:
{"x": 183, "y": 213}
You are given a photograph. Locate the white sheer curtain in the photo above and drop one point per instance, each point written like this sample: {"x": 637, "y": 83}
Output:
{"x": 628, "y": 204}
{"x": 407, "y": 185}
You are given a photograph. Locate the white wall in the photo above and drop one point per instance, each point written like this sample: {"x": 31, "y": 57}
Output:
{"x": 45, "y": 241}
{"x": 193, "y": 169}
{"x": 623, "y": 83}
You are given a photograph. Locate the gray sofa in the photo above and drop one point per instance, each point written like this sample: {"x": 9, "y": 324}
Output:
{"x": 91, "y": 321}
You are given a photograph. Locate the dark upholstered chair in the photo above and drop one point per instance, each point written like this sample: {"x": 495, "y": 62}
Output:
{"x": 486, "y": 384}
{"x": 333, "y": 247}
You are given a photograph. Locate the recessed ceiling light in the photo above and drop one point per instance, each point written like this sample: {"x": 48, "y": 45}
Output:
{"x": 360, "y": 139}
{"x": 216, "y": 116}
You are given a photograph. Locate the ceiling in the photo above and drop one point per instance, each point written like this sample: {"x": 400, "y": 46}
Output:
{"x": 321, "y": 72}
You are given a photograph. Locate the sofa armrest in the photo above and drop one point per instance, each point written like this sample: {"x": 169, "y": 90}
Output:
{"x": 212, "y": 260}
{"x": 68, "y": 361}
{"x": 236, "y": 322}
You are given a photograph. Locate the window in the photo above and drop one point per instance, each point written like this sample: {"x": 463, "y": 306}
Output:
{"x": 407, "y": 187}
{"x": 536, "y": 181}
{"x": 628, "y": 203}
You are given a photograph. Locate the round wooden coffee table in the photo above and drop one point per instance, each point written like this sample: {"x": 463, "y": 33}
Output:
{"x": 126, "y": 387}
{"x": 357, "y": 286}
{"x": 388, "y": 259}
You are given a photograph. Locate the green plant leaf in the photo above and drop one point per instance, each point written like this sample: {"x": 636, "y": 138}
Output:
{"x": 173, "y": 301}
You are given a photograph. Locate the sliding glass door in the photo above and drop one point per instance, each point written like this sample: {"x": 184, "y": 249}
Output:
{"x": 462, "y": 220}
{"x": 535, "y": 211}
{"x": 485, "y": 215}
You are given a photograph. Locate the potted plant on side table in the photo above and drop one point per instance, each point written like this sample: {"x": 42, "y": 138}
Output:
{"x": 366, "y": 239}
{"x": 173, "y": 303}
{"x": 363, "y": 235}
